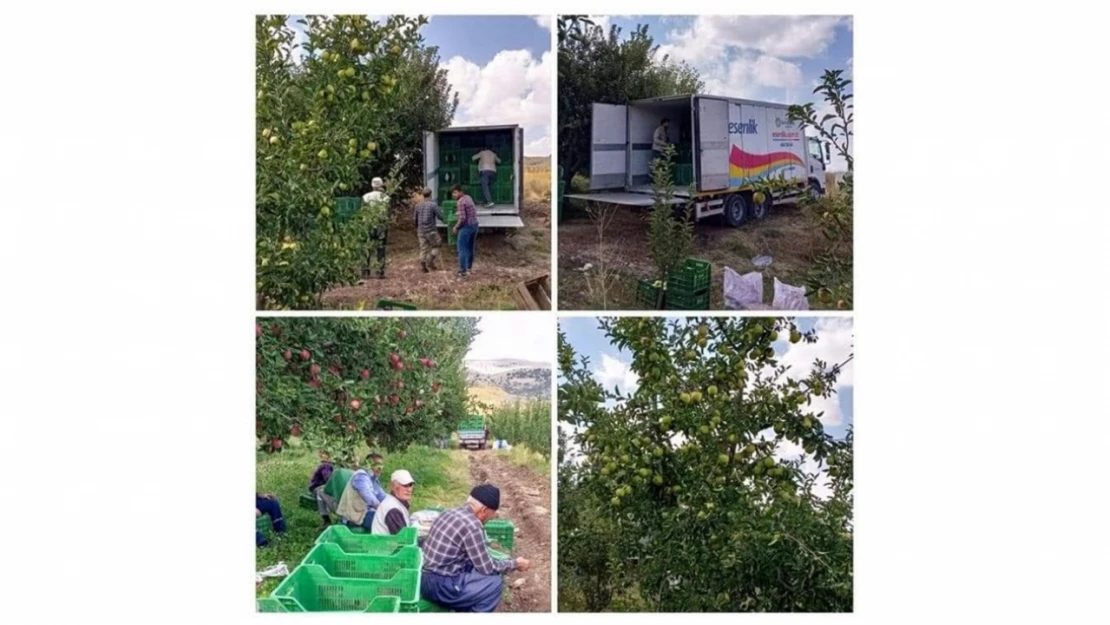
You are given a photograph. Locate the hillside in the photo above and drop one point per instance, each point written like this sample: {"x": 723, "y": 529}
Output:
{"x": 514, "y": 378}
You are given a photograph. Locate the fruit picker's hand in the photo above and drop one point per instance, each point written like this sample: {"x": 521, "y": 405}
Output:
{"x": 257, "y": 513}
{"x": 522, "y": 565}
{"x": 266, "y": 495}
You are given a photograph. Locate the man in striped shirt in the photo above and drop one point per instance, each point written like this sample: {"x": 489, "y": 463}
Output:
{"x": 459, "y": 573}
{"x": 466, "y": 229}
{"x": 426, "y": 213}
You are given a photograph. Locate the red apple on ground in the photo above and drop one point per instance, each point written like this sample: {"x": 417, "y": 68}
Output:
{"x": 305, "y": 355}
{"x": 315, "y": 370}
{"x": 393, "y": 399}
{"x": 402, "y": 334}
{"x": 419, "y": 404}
{"x": 355, "y": 404}
{"x": 365, "y": 374}
{"x": 288, "y": 355}
{"x": 276, "y": 443}
{"x": 296, "y": 431}
{"x": 257, "y": 330}
{"x": 350, "y": 427}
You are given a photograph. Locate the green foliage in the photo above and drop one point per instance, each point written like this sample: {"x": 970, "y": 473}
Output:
{"x": 323, "y": 125}
{"x": 677, "y": 501}
{"x": 525, "y": 423}
{"x": 595, "y": 66}
{"x": 831, "y": 277}
{"x": 341, "y": 382}
{"x": 670, "y": 228}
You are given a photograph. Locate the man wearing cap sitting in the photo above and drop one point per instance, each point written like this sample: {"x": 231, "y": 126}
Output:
{"x": 459, "y": 572}
{"x": 393, "y": 512}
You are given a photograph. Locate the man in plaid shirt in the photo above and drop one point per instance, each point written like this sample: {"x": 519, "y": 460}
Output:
{"x": 459, "y": 573}
{"x": 466, "y": 228}
{"x": 426, "y": 213}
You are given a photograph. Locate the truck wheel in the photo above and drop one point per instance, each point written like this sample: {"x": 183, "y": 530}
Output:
{"x": 736, "y": 210}
{"x": 760, "y": 211}
{"x": 814, "y": 190}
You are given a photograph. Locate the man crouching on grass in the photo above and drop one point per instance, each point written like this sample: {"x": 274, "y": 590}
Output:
{"x": 426, "y": 213}
{"x": 459, "y": 572}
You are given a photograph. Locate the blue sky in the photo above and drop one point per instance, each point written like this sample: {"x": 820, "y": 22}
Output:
{"x": 502, "y": 68}
{"x": 610, "y": 367}
{"x": 777, "y": 58}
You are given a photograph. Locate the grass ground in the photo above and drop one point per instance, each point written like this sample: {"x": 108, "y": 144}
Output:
{"x": 503, "y": 259}
{"x": 443, "y": 479}
{"x": 787, "y": 235}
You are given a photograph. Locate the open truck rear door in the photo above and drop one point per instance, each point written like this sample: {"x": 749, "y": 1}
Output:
{"x": 608, "y": 146}
{"x": 431, "y": 163}
{"x": 711, "y": 160}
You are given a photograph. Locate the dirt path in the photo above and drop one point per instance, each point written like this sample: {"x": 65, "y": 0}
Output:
{"x": 499, "y": 266}
{"x": 526, "y": 501}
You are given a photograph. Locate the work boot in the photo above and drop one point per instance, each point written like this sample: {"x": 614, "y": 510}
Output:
{"x": 381, "y": 274}
{"x": 424, "y": 267}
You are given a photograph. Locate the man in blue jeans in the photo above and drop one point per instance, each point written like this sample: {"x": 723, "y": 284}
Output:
{"x": 459, "y": 573}
{"x": 466, "y": 228}
{"x": 363, "y": 495}
{"x": 487, "y": 170}
{"x": 265, "y": 503}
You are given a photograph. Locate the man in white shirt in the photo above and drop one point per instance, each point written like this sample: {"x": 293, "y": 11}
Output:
{"x": 660, "y": 140}
{"x": 487, "y": 169}
{"x": 379, "y": 234}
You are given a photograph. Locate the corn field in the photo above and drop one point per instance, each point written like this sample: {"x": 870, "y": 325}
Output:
{"x": 526, "y": 423}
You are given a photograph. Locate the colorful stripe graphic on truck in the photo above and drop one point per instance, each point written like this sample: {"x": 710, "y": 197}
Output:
{"x": 745, "y": 167}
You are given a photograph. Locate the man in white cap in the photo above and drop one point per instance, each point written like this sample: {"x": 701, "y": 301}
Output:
{"x": 393, "y": 512}
{"x": 378, "y": 236}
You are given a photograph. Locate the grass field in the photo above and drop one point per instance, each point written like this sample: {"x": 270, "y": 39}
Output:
{"x": 443, "y": 479}
{"x": 537, "y": 178}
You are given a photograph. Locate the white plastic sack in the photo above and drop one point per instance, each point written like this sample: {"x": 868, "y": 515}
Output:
{"x": 743, "y": 292}
{"x": 789, "y": 297}
{"x": 277, "y": 570}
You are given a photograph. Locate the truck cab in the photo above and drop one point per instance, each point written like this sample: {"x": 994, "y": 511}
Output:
{"x": 817, "y": 164}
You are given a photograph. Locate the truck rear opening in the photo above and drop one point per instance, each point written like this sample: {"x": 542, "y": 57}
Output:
{"x": 449, "y": 161}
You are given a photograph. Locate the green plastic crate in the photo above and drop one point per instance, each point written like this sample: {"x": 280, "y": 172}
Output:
{"x": 373, "y": 544}
{"x": 450, "y": 209}
{"x": 450, "y": 158}
{"x": 307, "y": 501}
{"x": 339, "y": 563}
{"x": 422, "y": 605}
{"x": 472, "y": 423}
{"x": 265, "y": 604}
{"x": 263, "y": 524}
{"x": 347, "y": 207}
{"x": 498, "y": 555}
{"x": 449, "y": 176}
{"x": 683, "y": 175}
{"x": 503, "y": 194}
{"x": 450, "y": 142}
{"x": 309, "y": 588}
{"x": 385, "y": 304}
{"x": 647, "y": 294}
{"x": 452, "y": 238}
{"x": 502, "y": 532}
{"x": 678, "y": 300}
{"x": 693, "y": 277}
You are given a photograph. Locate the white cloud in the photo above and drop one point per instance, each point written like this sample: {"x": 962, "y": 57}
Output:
{"x": 834, "y": 344}
{"x": 612, "y": 372}
{"x": 513, "y": 88}
{"x": 600, "y": 20}
{"x": 523, "y": 339}
{"x": 743, "y": 77}
{"x": 543, "y": 20}
{"x": 713, "y": 36}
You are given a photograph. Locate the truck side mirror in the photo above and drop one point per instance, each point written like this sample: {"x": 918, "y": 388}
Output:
{"x": 828, "y": 154}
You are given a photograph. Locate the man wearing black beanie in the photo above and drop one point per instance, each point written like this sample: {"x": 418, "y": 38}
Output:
{"x": 459, "y": 572}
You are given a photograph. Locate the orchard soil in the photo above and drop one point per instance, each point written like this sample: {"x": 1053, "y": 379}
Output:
{"x": 787, "y": 235}
{"x": 498, "y": 267}
{"x": 526, "y": 500}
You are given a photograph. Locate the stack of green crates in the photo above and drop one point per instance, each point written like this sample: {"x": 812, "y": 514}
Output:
{"x": 688, "y": 288}
{"x": 683, "y": 174}
{"x": 350, "y": 572}
{"x": 347, "y": 207}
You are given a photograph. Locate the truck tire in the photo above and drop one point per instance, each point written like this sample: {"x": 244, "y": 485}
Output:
{"x": 760, "y": 211}
{"x": 814, "y": 189}
{"x": 736, "y": 210}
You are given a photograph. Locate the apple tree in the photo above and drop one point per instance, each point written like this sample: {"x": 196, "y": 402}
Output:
{"x": 337, "y": 383}
{"x": 321, "y": 106}
{"x": 708, "y": 514}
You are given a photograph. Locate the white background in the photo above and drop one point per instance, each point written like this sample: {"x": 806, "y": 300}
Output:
{"x": 127, "y": 263}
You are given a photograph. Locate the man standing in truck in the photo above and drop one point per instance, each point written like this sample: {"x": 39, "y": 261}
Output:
{"x": 427, "y": 211}
{"x": 661, "y": 139}
{"x": 487, "y": 170}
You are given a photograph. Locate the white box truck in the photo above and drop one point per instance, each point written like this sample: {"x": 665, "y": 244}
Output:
{"x": 467, "y": 141}
{"x": 733, "y": 143}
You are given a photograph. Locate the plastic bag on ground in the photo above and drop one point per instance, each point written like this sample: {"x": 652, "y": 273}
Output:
{"x": 743, "y": 292}
{"x": 789, "y": 297}
{"x": 277, "y": 570}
